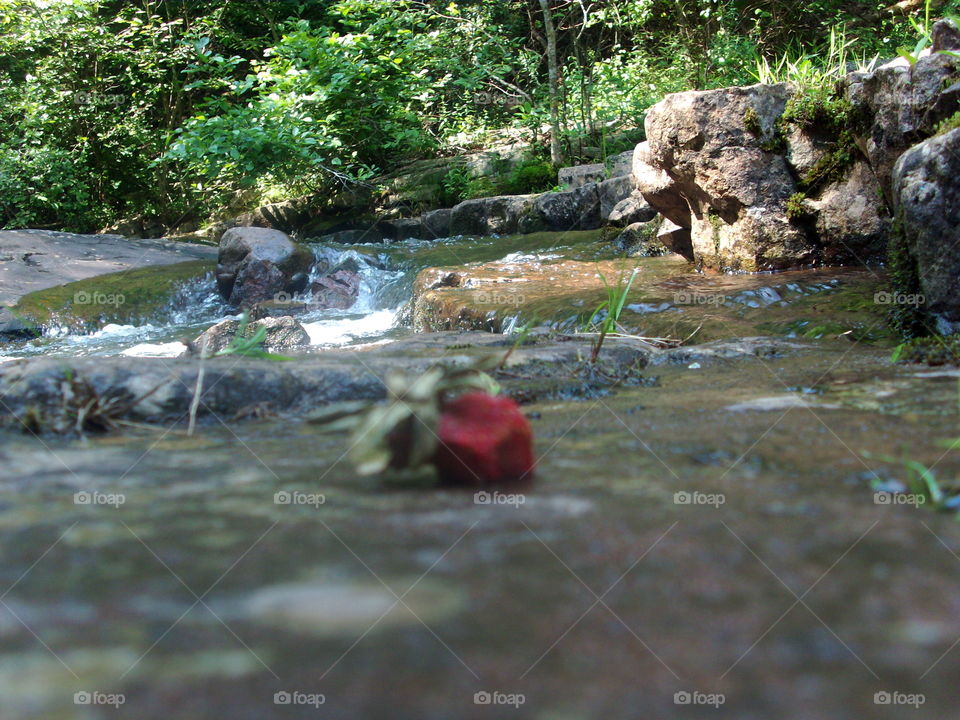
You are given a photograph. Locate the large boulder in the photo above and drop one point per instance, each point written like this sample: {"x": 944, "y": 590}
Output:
{"x": 254, "y": 264}
{"x": 902, "y": 104}
{"x": 926, "y": 187}
{"x": 714, "y": 147}
{"x": 283, "y": 334}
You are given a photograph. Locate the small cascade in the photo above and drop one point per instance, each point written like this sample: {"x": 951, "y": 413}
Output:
{"x": 196, "y": 305}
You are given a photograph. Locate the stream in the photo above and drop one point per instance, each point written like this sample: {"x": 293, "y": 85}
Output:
{"x": 246, "y": 571}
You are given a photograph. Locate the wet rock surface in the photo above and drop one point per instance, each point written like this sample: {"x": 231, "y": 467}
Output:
{"x": 667, "y": 298}
{"x": 283, "y": 334}
{"x": 32, "y": 260}
{"x": 729, "y": 557}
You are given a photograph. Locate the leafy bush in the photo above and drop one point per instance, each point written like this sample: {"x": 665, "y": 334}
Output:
{"x": 530, "y": 176}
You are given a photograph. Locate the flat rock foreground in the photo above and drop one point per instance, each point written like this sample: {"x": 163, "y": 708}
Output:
{"x": 703, "y": 542}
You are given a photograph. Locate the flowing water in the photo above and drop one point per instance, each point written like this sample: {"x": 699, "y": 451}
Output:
{"x": 386, "y": 270}
{"x": 246, "y": 571}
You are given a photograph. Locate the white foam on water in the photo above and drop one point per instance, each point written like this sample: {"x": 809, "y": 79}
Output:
{"x": 343, "y": 330}
{"x": 155, "y": 350}
{"x": 112, "y": 331}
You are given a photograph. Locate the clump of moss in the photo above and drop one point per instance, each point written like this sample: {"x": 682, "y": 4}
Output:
{"x": 910, "y": 321}
{"x": 820, "y": 108}
{"x": 832, "y": 166}
{"x": 796, "y": 210}
{"x": 776, "y": 143}
{"x": 951, "y": 123}
{"x": 530, "y": 176}
{"x": 931, "y": 350}
{"x": 751, "y": 121}
{"x": 119, "y": 297}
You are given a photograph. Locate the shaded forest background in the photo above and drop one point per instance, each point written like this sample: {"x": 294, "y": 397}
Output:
{"x": 173, "y": 110}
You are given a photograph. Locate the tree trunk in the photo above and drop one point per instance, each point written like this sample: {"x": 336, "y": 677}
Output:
{"x": 556, "y": 156}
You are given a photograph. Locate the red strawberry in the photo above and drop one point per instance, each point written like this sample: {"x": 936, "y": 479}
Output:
{"x": 484, "y": 440}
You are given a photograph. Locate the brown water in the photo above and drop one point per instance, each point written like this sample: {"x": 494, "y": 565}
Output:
{"x": 600, "y": 595}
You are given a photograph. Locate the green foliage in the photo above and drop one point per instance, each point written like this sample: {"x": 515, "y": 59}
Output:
{"x": 832, "y": 166}
{"x": 910, "y": 321}
{"x": 930, "y": 350}
{"x": 530, "y": 176}
{"x": 796, "y": 210}
{"x": 951, "y": 123}
{"x": 247, "y": 344}
{"x": 170, "y": 111}
{"x": 920, "y": 479}
{"x": 607, "y": 315}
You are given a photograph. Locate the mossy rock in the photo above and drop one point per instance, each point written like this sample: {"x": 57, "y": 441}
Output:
{"x": 931, "y": 350}
{"x": 120, "y": 297}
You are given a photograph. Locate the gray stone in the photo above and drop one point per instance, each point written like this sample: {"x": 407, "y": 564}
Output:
{"x": 579, "y": 175}
{"x": 436, "y": 223}
{"x": 613, "y": 192}
{"x": 641, "y": 240}
{"x": 901, "y": 105}
{"x": 927, "y": 193}
{"x": 945, "y": 35}
{"x": 633, "y": 209}
{"x": 853, "y": 223}
{"x": 255, "y": 264}
{"x": 501, "y": 215}
{"x": 283, "y": 334}
{"x": 577, "y": 209}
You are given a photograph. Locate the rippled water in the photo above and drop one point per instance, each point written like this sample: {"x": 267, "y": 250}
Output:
{"x": 196, "y": 306}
